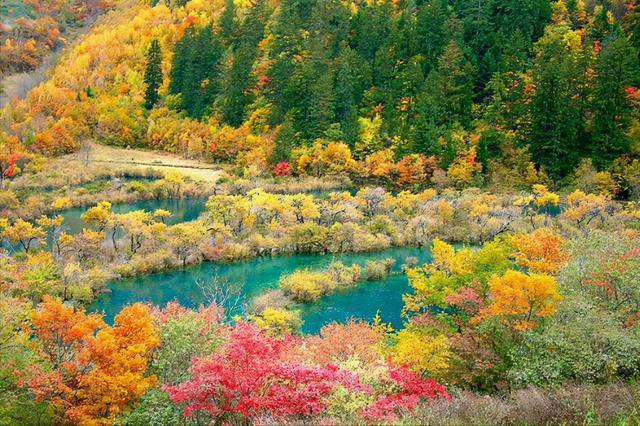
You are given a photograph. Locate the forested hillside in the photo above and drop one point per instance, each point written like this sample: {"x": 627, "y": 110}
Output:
{"x": 322, "y": 212}
{"x": 500, "y": 93}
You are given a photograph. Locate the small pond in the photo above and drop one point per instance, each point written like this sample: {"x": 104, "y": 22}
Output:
{"x": 183, "y": 210}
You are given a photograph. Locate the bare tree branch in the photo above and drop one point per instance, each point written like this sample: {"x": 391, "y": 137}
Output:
{"x": 220, "y": 293}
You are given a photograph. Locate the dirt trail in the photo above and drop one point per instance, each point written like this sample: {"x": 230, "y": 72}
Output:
{"x": 17, "y": 85}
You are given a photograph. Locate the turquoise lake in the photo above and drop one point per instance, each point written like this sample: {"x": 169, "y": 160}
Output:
{"x": 254, "y": 276}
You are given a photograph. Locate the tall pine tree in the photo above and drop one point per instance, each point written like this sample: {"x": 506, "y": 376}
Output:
{"x": 555, "y": 116}
{"x": 195, "y": 70}
{"x": 237, "y": 95}
{"x": 616, "y": 68}
{"x": 153, "y": 74}
{"x": 229, "y": 23}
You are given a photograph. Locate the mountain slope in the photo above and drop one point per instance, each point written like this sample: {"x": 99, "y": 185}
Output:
{"x": 478, "y": 90}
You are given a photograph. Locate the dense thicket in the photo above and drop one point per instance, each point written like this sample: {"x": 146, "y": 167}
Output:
{"x": 558, "y": 74}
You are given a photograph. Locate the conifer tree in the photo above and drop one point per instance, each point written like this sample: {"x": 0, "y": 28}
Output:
{"x": 195, "y": 70}
{"x": 431, "y": 31}
{"x": 617, "y": 69}
{"x": 228, "y": 22}
{"x": 236, "y": 96}
{"x": 285, "y": 141}
{"x": 555, "y": 117}
{"x": 451, "y": 84}
{"x": 153, "y": 74}
{"x": 631, "y": 24}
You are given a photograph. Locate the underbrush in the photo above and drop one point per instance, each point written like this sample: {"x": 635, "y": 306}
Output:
{"x": 290, "y": 185}
{"x": 569, "y": 404}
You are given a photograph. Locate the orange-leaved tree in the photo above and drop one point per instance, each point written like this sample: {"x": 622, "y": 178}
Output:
{"x": 94, "y": 370}
{"x": 540, "y": 251}
{"x": 10, "y": 153}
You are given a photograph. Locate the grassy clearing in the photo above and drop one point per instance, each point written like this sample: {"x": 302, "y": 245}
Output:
{"x": 136, "y": 158}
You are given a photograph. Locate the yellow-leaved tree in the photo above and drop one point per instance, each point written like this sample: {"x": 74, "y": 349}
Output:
{"x": 520, "y": 299}
{"x": 423, "y": 350}
{"x": 540, "y": 251}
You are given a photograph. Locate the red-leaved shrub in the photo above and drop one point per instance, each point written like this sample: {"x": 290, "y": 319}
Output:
{"x": 250, "y": 376}
{"x": 282, "y": 169}
{"x": 412, "y": 390}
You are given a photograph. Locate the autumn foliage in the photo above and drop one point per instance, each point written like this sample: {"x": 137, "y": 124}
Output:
{"x": 250, "y": 376}
{"x": 93, "y": 371}
{"x": 540, "y": 251}
{"x": 475, "y": 290}
{"x": 339, "y": 342}
{"x": 37, "y": 27}
{"x": 407, "y": 110}
{"x": 282, "y": 169}
{"x": 521, "y": 299}
{"x": 256, "y": 374}
{"x": 411, "y": 391}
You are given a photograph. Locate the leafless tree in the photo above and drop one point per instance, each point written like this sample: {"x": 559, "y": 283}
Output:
{"x": 85, "y": 151}
{"x": 219, "y": 292}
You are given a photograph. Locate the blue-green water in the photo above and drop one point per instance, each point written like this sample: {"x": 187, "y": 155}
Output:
{"x": 252, "y": 277}
{"x": 183, "y": 210}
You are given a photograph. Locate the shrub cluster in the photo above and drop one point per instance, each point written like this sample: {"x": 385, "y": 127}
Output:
{"x": 306, "y": 286}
